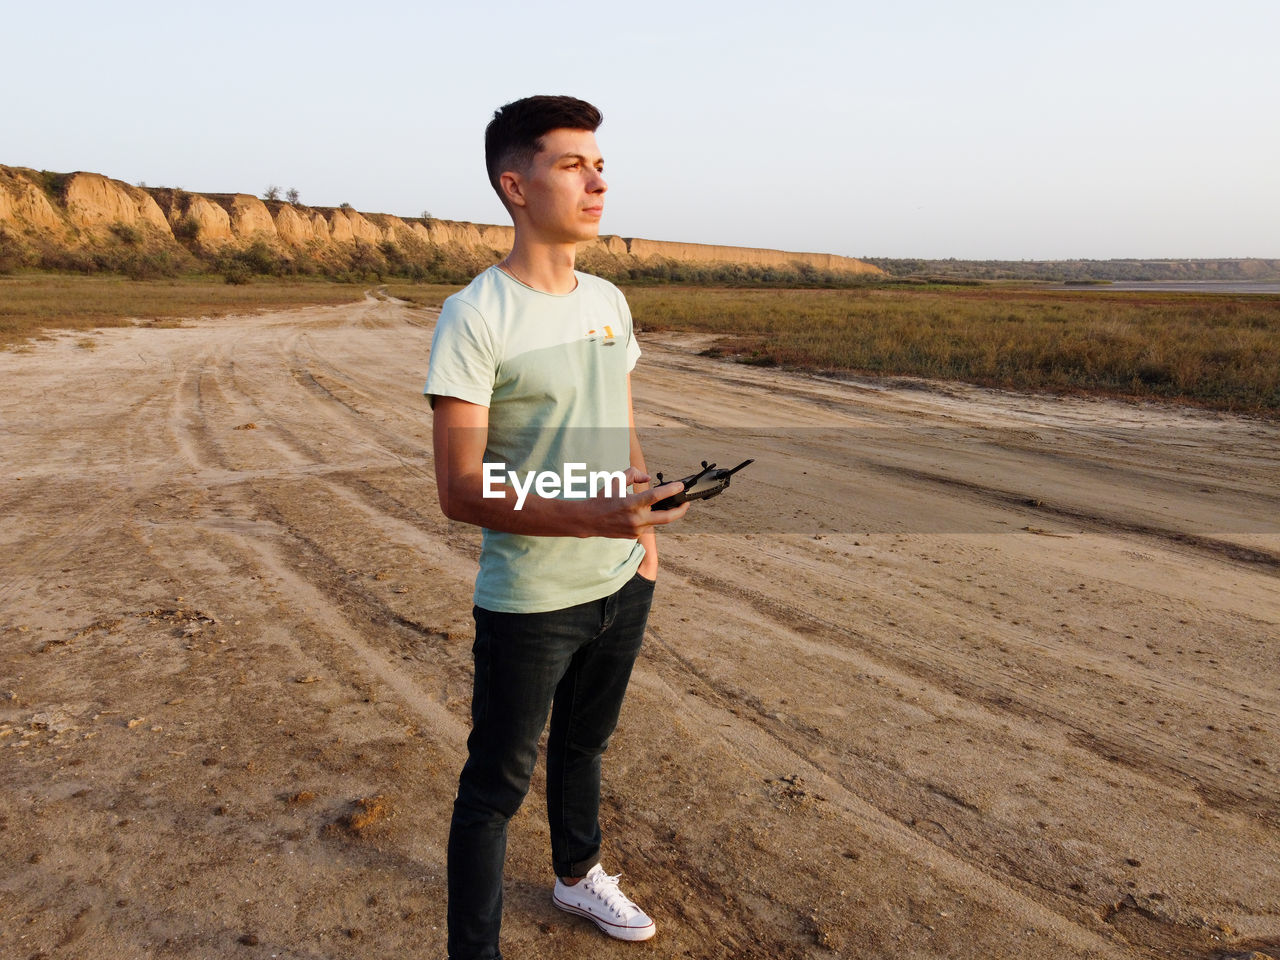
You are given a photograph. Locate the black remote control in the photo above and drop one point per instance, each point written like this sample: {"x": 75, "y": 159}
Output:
{"x": 703, "y": 485}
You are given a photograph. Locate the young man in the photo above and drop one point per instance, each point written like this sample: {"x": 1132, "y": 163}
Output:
{"x": 530, "y": 376}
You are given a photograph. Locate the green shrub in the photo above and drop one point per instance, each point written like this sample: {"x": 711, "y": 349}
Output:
{"x": 152, "y": 265}
{"x": 126, "y": 233}
{"x": 236, "y": 273}
{"x": 13, "y": 254}
{"x": 259, "y": 257}
{"x": 63, "y": 259}
{"x": 367, "y": 261}
{"x": 186, "y": 229}
{"x": 53, "y": 184}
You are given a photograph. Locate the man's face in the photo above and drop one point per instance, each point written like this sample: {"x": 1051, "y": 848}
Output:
{"x": 563, "y": 189}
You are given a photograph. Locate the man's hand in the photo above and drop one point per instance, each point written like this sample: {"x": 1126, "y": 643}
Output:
{"x": 649, "y": 565}
{"x": 630, "y": 517}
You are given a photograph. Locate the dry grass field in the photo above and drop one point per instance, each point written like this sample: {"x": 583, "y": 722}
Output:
{"x": 1218, "y": 351}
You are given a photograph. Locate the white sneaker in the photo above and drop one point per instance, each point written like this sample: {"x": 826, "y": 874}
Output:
{"x": 597, "y": 897}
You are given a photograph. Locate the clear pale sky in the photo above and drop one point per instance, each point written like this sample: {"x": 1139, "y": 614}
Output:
{"x": 1010, "y": 130}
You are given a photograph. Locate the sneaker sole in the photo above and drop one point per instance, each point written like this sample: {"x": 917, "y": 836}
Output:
{"x": 615, "y": 930}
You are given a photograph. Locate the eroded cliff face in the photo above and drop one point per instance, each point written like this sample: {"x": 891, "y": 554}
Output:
{"x": 93, "y": 203}
{"x": 250, "y": 218}
{"x": 81, "y": 210}
{"x": 212, "y": 223}
{"x": 24, "y": 203}
{"x": 709, "y": 253}
{"x": 295, "y": 228}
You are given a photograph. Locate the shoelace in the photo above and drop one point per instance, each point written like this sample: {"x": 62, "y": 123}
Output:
{"x": 606, "y": 888}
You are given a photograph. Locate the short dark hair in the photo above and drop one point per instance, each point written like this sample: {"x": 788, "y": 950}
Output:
{"x": 514, "y": 135}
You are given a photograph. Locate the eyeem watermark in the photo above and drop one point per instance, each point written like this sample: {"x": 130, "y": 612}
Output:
{"x": 575, "y": 483}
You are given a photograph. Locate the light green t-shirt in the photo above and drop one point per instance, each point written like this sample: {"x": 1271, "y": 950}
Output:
{"x": 553, "y": 372}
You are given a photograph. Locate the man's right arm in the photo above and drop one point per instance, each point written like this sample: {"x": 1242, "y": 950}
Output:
{"x": 460, "y": 434}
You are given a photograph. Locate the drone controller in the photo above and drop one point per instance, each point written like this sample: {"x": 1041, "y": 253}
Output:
{"x": 703, "y": 485}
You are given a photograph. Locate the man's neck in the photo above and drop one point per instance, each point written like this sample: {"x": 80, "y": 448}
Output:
{"x": 545, "y": 267}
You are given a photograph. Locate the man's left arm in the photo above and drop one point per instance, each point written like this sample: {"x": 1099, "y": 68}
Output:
{"x": 648, "y": 539}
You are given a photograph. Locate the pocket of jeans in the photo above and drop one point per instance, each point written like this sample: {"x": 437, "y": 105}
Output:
{"x": 643, "y": 579}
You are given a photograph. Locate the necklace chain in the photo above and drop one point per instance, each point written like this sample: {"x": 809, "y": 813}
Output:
{"x": 505, "y": 266}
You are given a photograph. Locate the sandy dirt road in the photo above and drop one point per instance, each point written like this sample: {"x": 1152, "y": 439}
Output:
{"x": 947, "y": 673}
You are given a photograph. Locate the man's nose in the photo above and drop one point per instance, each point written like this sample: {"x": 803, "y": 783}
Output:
{"x": 597, "y": 184}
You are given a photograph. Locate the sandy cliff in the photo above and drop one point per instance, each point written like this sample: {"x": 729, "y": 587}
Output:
{"x": 41, "y": 211}
{"x": 250, "y": 217}
{"x": 24, "y": 203}
{"x": 213, "y": 223}
{"x": 296, "y": 228}
{"x": 709, "y": 253}
{"x": 94, "y": 203}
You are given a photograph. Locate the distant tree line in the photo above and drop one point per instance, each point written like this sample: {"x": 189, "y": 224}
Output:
{"x": 1062, "y": 271}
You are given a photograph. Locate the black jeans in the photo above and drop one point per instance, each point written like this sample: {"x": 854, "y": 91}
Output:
{"x": 575, "y": 664}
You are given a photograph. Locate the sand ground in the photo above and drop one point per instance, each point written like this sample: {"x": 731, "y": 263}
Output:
{"x": 947, "y": 673}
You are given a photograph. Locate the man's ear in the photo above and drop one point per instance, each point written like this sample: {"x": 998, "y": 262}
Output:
{"x": 512, "y": 188}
